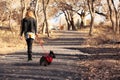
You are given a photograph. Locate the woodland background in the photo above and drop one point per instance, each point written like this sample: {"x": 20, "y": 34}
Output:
{"x": 68, "y": 15}
{"x": 107, "y": 31}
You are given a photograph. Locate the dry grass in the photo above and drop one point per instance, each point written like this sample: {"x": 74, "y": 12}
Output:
{"x": 10, "y": 41}
{"x": 102, "y": 35}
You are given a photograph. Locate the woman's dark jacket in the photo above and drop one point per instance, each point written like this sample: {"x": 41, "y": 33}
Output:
{"x": 28, "y": 25}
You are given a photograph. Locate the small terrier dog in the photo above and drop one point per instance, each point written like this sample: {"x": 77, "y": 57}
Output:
{"x": 46, "y": 60}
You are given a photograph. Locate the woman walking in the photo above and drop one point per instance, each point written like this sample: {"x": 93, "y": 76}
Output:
{"x": 29, "y": 28}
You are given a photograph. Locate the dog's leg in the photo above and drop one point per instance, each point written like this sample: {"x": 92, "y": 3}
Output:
{"x": 41, "y": 60}
{"x": 45, "y": 63}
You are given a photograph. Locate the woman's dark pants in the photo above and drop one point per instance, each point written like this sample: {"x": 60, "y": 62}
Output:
{"x": 29, "y": 48}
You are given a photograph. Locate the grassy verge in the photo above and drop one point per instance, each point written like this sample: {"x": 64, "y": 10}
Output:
{"x": 103, "y": 35}
{"x": 10, "y": 41}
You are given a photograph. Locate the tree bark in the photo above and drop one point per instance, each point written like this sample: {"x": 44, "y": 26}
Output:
{"x": 68, "y": 18}
{"x": 72, "y": 23}
{"x": 36, "y": 12}
{"x": 71, "y": 20}
{"x": 110, "y": 14}
{"x": 10, "y": 21}
{"x": 119, "y": 17}
{"x": 68, "y": 24}
{"x": 91, "y": 10}
{"x": 116, "y": 18}
{"x": 44, "y": 11}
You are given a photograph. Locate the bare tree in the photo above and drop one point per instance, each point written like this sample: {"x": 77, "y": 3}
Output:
{"x": 68, "y": 12}
{"x": 45, "y": 17}
{"x": 119, "y": 16}
{"x": 116, "y": 29}
{"x": 35, "y": 7}
{"x": 3, "y": 7}
{"x": 114, "y": 15}
{"x": 66, "y": 17}
{"x": 111, "y": 13}
{"x": 91, "y": 10}
{"x": 9, "y": 12}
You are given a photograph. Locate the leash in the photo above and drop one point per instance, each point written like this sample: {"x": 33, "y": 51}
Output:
{"x": 41, "y": 44}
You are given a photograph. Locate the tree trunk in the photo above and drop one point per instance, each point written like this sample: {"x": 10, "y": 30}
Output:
{"x": 36, "y": 12}
{"x": 91, "y": 10}
{"x": 116, "y": 18}
{"x": 44, "y": 11}
{"x": 82, "y": 15}
{"x": 10, "y": 21}
{"x": 68, "y": 24}
{"x": 22, "y": 8}
{"x": 68, "y": 16}
{"x": 82, "y": 23}
{"x": 71, "y": 20}
{"x": 44, "y": 28}
{"x": 110, "y": 14}
{"x": 72, "y": 23}
{"x": 119, "y": 18}
{"x": 92, "y": 23}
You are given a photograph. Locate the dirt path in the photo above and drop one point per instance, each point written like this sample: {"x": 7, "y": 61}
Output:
{"x": 74, "y": 61}
{"x": 64, "y": 67}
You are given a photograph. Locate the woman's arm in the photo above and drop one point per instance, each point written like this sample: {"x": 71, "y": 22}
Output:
{"x": 35, "y": 26}
{"x": 22, "y": 27}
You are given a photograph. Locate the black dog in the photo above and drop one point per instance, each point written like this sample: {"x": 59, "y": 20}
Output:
{"x": 46, "y": 60}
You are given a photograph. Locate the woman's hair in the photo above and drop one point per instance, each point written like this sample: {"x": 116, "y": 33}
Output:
{"x": 30, "y": 13}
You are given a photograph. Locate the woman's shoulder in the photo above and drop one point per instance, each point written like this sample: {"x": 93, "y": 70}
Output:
{"x": 27, "y": 19}
{"x": 30, "y": 18}
{"x": 24, "y": 19}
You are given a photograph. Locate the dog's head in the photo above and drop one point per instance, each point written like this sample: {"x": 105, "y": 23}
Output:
{"x": 52, "y": 54}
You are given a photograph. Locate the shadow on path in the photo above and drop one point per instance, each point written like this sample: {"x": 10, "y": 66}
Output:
{"x": 98, "y": 53}
{"x": 15, "y": 67}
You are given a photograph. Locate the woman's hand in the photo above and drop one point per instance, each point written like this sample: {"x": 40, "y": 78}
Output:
{"x": 36, "y": 35}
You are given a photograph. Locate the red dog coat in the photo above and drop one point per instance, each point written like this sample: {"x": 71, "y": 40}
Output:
{"x": 49, "y": 58}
